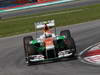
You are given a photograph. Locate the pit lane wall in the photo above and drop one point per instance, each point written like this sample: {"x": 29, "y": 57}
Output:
{"x": 31, "y": 5}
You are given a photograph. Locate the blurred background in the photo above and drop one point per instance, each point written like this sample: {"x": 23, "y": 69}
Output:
{"x": 5, "y": 3}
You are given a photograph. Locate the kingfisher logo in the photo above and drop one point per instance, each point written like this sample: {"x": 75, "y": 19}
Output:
{"x": 91, "y": 55}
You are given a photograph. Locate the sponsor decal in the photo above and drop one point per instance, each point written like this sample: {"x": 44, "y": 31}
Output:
{"x": 49, "y": 43}
{"x": 37, "y": 57}
{"x": 64, "y": 53}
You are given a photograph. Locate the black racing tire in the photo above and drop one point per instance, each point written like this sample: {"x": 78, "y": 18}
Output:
{"x": 28, "y": 62}
{"x": 66, "y": 33}
{"x": 69, "y": 42}
{"x": 28, "y": 48}
{"x": 71, "y": 45}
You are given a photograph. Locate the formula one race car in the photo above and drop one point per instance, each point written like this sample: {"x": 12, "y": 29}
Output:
{"x": 48, "y": 46}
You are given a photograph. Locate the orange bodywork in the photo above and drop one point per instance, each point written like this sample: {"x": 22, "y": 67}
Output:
{"x": 48, "y": 42}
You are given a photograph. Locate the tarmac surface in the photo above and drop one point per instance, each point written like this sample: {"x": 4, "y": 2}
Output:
{"x": 12, "y": 54}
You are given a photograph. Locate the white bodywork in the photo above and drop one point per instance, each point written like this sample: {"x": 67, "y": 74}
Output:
{"x": 46, "y": 34}
{"x": 39, "y": 25}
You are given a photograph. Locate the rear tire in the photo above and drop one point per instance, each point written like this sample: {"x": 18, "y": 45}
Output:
{"x": 66, "y": 33}
{"x": 69, "y": 42}
{"x": 28, "y": 48}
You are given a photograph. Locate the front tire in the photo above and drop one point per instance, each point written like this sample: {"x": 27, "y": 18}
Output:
{"x": 28, "y": 49}
{"x": 69, "y": 42}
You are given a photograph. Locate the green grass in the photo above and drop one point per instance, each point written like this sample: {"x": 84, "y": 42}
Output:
{"x": 24, "y": 24}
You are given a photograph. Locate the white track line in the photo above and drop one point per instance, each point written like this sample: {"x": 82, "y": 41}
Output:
{"x": 57, "y": 13}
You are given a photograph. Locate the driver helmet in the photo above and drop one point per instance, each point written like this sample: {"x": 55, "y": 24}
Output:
{"x": 48, "y": 34}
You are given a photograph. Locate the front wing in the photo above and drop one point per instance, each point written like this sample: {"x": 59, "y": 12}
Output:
{"x": 40, "y": 58}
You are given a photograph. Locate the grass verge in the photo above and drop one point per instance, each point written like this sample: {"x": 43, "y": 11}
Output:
{"x": 24, "y": 24}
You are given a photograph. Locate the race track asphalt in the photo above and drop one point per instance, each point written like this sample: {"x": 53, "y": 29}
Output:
{"x": 49, "y": 8}
{"x": 12, "y": 54}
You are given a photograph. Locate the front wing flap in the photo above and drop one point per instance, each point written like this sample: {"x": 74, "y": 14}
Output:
{"x": 40, "y": 58}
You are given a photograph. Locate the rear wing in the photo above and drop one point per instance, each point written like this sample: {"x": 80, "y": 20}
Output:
{"x": 49, "y": 23}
